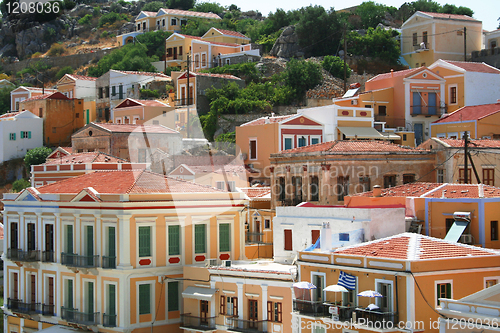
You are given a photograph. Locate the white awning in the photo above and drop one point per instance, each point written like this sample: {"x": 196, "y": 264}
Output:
{"x": 390, "y": 136}
{"x": 361, "y": 133}
{"x": 204, "y": 294}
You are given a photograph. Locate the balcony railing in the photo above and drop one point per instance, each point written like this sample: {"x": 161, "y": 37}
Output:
{"x": 197, "y": 323}
{"x": 76, "y": 260}
{"x": 109, "y": 320}
{"x": 184, "y": 101}
{"x": 75, "y": 316}
{"x": 311, "y": 308}
{"x": 254, "y": 237}
{"x": 425, "y": 110}
{"x": 421, "y": 48}
{"x": 384, "y": 320}
{"x": 48, "y": 309}
{"x": 22, "y": 307}
{"x": 21, "y": 255}
{"x": 108, "y": 262}
{"x": 174, "y": 57}
{"x": 48, "y": 256}
{"x": 243, "y": 325}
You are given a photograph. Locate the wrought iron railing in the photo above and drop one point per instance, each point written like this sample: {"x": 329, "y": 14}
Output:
{"x": 311, "y": 308}
{"x": 21, "y": 255}
{"x": 384, "y": 320}
{"x": 197, "y": 323}
{"x": 254, "y": 237}
{"x": 75, "y": 316}
{"x": 48, "y": 256}
{"x": 108, "y": 262}
{"x": 76, "y": 260}
{"x": 243, "y": 325}
{"x": 23, "y": 307}
{"x": 48, "y": 309}
{"x": 109, "y": 320}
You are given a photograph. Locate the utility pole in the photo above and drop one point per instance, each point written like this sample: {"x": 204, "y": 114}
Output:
{"x": 345, "y": 55}
{"x": 466, "y": 161}
{"x": 465, "y": 43}
{"x": 187, "y": 88}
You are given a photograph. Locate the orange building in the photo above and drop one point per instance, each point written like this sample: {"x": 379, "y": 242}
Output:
{"x": 410, "y": 273}
{"x": 149, "y": 112}
{"x": 83, "y": 87}
{"x": 21, "y": 93}
{"x": 62, "y": 116}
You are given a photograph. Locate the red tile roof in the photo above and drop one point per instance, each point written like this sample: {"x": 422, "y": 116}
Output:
{"x": 411, "y": 246}
{"x": 82, "y": 77}
{"x": 210, "y": 42}
{"x": 477, "y": 143}
{"x": 156, "y": 74}
{"x": 149, "y": 13}
{"x": 231, "y": 33}
{"x": 479, "y": 67}
{"x": 53, "y": 95}
{"x": 95, "y": 157}
{"x": 262, "y": 120}
{"x": 256, "y": 192}
{"x": 125, "y": 182}
{"x": 451, "y": 16}
{"x": 130, "y": 128}
{"x": 403, "y": 72}
{"x": 438, "y": 190}
{"x": 190, "y": 13}
{"x": 468, "y": 113}
{"x": 200, "y": 169}
{"x": 353, "y": 146}
{"x": 221, "y": 76}
{"x": 35, "y": 89}
{"x": 9, "y": 115}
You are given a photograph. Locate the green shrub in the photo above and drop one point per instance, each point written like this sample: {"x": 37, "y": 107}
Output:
{"x": 301, "y": 75}
{"x": 20, "y": 185}
{"x": 63, "y": 71}
{"x": 104, "y": 34}
{"x": 111, "y": 18}
{"x": 169, "y": 70}
{"x": 335, "y": 66}
{"x": 36, "y": 156}
{"x": 96, "y": 12}
{"x": 85, "y": 20}
{"x": 226, "y": 137}
{"x": 56, "y": 50}
{"x": 146, "y": 93}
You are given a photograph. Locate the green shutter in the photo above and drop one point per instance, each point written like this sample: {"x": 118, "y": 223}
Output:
{"x": 448, "y": 290}
{"x": 70, "y": 294}
{"x": 14, "y": 136}
{"x": 90, "y": 241}
{"x": 199, "y": 238}
{"x": 111, "y": 242}
{"x": 173, "y": 296}
{"x": 29, "y": 134}
{"x": 144, "y": 241}
{"x": 224, "y": 237}
{"x": 173, "y": 240}
{"x": 69, "y": 239}
{"x": 111, "y": 300}
{"x": 144, "y": 299}
{"x": 90, "y": 303}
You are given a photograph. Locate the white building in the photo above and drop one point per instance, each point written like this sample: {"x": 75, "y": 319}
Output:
{"x": 297, "y": 228}
{"x": 19, "y": 132}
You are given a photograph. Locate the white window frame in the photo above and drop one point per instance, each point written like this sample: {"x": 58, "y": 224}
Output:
{"x": 10, "y": 221}
{"x": 201, "y": 60}
{"x": 118, "y": 120}
{"x": 65, "y": 223}
{"x": 323, "y": 296}
{"x": 230, "y": 221}
{"x": 441, "y": 135}
{"x": 106, "y": 224}
{"x": 391, "y": 304}
{"x": 306, "y": 137}
{"x": 314, "y": 137}
{"x": 38, "y": 184}
{"x": 46, "y": 289}
{"x": 435, "y": 290}
{"x": 135, "y": 118}
{"x": 270, "y": 223}
{"x": 288, "y": 136}
{"x": 197, "y": 58}
{"x": 206, "y": 221}
{"x": 256, "y": 150}
{"x": 27, "y": 220}
{"x": 438, "y": 175}
{"x": 147, "y": 222}
{"x": 48, "y": 221}
{"x": 151, "y": 297}
{"x": 65, "y": 280}
{"x": 455, "y": 134}
{"x": 488, "y": 278}
{"x": 173, "y": 221}
{"x": 455, "y": 85}
{"x": 11, "y": 285}
{"x": 172, "y": 23}
{"x": 83, "y": 231}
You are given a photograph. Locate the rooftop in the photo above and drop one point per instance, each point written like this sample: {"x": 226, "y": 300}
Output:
{"x": 134, "y": 128}
{"x": 50, "y": 95}
{"x": 473, "y": 143}
{"x": 353, "y": 146}
{"x": 81, "y": 77}
{"x": 402, "y": 73}
{"x": 82, "y": 158}
{"x": 479, "y": 67}
{"x": 450, "y": 16}
{"x": 261, "y": 266}
{"x": 231, "y": 33}
{"x": 264, "y": 120}
{"x": 412, "y": 246}
{"x": 256, "y": 192}
{"x": 469, "y": 113}
{"x": 155, "y": 74}
{"x": 189, "y": 13}
{"x": 221, "y": 76}
{"x": 210, "y": 42}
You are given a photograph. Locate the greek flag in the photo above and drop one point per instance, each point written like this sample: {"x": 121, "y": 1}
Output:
{"x": 347, "y": 280}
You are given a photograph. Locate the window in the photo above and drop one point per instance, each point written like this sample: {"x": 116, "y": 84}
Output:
{"x": 274, "y": 311}
{"x": 224, "y": 237}
{"x": 77, "y": 115}
{"x": 489, "y": 176}
{"x": 12, "y": 136}
{"x": 461, "y": 176}
{"x": 69, "y": 238}
{"x": 183, "y": 22}
{"x": 385, "y": 302}
{"x": 253, "y": 149}
{"x": 424, "y": 38}
{"x": 288, "y": 143}
{"x": 144, "y": 241}
{"x": 453, "y": 95}
{"x": 203, "y": 60}
{"x": 343, "y": 237}
{"x": 297, "y": 189}
{"x": 136, "y": 118}
{"x": 69, "y": 294}
{"x": 490, "y": 283}
{"x": 199, "y": 238}
{"x": 314, "y": 188}
{"x": 342, "y": 187}
{"x": 229, "y": 186}
{"x": 156, "y": 122}
{"x": 31, "y": 237}
{"x": 364, "y": 184}
{"x": 174, "y": 240}
{"x": 173, "y": 21}
{"x": 281, "y": 189}
{"x": 101, "y": 90}
{"x": 267, "y": 224}
{"x": 138, "y": 28}
{"x": 180, "y": 50}
{"x": 382, "y": 110}
{"x": 106, "y": 92}
{"x": 288, "y": 240}
{"x": 197, "y": 60}
{"x": 389, "y": 181}
{"x": 163, "y": 22}
{"x": 302, "y": 141}
{"x": 408, "y": 178}
{"x": 229, "y": 308}
{"x": 144, "y": 299}
{"x": 253, "y": 310}
{"x": 494, "y": 230}
{"x": 315, "y": 140}
{"x": 25, "y": 134}
{"x": 443, "y": 290}
{"x": 111, "y": 304}
{"x": 415, "y": 42}
{"x": 173, "y": 296}
{"x": 440, "y": 175}
{"x": 90, "y": 298}
{"x": 113, "y": 91}
{"x": 40, "y": 112}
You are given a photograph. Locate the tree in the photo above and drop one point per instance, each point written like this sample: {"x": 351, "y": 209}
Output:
{"x": 180, "y": 4}
{"x": 371, "y": 14}
{"x": 376, "y": 43}
{"x": 153, "y": 6}
{"x": 301, "y": 76}
{"x": 5, "y": 99}
{"x": 20, "y": 185}
{"x": 154, "y": 42}
{"x": 36, "y": 156}
{"x": 209, "y": 7}
{"x": 63, "y": 71}
{"x": 335, "y": 66}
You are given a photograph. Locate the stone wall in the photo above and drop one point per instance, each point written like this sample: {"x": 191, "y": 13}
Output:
{"x": 12, "y": 170}
{"x": 489, "y": 56}
{"x": 228, "y": 122}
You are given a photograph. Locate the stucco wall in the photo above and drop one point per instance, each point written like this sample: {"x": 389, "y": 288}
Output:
{"x": 481, "y": 88}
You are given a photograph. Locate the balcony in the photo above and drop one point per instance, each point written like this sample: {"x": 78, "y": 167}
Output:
{"x": 48, "y": 310}
{"x": 109, "y": 320}
{"x": 422, "y": 47}
{"x": 311, "y": 308}
{"x": 245, "y": 326}
{"x": 197, "y": 323}
{"x": 108, "y": 262}
{"x": 21, "y": 255}
{"x": 171, "y": 57}
{"x": 83, "y": 318}
{"x": 425, "y": 110}
{"x": 48, "y": 256}
{"x": 254, "y": 238}
{"x": 76, "y": 260}
{"x": 184, "y": 101}
{"x": 16, "y": 305}
{"x": 376, "y": 318}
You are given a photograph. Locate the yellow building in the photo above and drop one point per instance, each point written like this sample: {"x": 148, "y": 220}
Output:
{"x": 225, "y": 36}
{"x": 83, "y": 87}
{"x": 427, "y": 37}
{"x": 410, "y": 273}
{"x": 150, "y": 112}
{"x": 105, "y": 251}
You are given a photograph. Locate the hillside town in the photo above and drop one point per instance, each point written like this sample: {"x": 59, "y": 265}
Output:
{"x": 197, "y": 178}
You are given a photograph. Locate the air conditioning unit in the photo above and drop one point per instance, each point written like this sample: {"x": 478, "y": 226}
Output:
{"x": 354, "y": 102}
{"x": 466, "y": 239}
{"x": 226, "y": 263}
{"x": 210, "y": 262}
{"x": 401, "y": 129}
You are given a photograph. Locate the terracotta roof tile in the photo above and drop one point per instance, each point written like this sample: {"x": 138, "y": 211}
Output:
{"x": 52, "y": 95}
{"x": 36, "y": 89}
{"x": 134, "y": 128}
{"x": 156, "y": 74}
{"x": 222, "y": 76}
{"x": 210, "y": 42}
{"x": 411, "y": 246}
{"x": 479, "y": 67}
{"x": 468, "y": 113}
{"x": 190, "y": 13}
{"x": 9, "y": 115}
{"x": 82, "y": 77}
{"x": 149, "y": 13}
{"x": 451, "y": 16}
{"x": 125, "y": 182}
{"x": 262, "y": 120}
{"x": 403, "y": 72}
{"x": 256, "y": 192}
{"x": 353, "y": 146}
{"x": 478, "y": 143}
{"x": 82, "y": 158}
{"x": 232, "y": 33}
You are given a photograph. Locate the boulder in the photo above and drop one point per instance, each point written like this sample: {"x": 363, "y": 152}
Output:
{"x": 287, "y": 44}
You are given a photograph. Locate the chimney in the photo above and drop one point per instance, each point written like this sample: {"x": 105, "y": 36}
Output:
{"x": 272, "y": 114}
{"x": 377, "y": 191}
{"x": 392, "y": 72}
{"x": 325, "y": 237}
{"x": 266, "y": 120}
